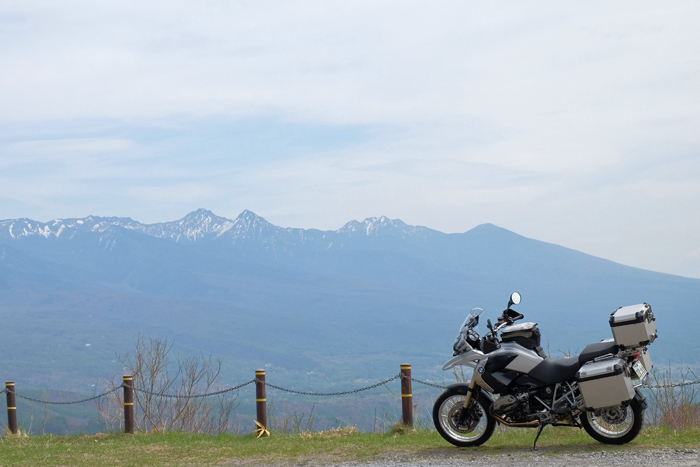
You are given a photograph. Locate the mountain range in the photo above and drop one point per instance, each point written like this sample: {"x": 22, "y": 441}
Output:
{"x": 202, "y": 225}
{"x": 318, "y": 309}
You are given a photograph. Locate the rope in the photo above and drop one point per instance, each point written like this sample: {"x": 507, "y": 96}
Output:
{"x": 331, "y": 393}
{"x": 63, "y": 403}
{"x": 194, "y": 396}
{"x": 304, "y": 393}
{"x": 439, "y": 386}
{"x": 676, "y": 385}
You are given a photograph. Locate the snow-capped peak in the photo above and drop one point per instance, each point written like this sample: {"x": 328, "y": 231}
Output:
{"x": 195, "y": 225}
{"x": 249, "y": 216}
{"x": 200, "y": 214}
{"x": 373, "y": 226}
{"x": 250, "y": 225}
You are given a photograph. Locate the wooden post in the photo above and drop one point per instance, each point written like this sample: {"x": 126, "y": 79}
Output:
{"x": 260, "y": 398}
{"x": 129, "y": 404}
{"x": 406, "y": 395}
{"x": 11, "y": 407}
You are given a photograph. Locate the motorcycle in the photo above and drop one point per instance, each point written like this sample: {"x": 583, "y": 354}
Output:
{"x": 516, "y": 384}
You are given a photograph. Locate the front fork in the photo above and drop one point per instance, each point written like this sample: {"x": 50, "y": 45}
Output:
{"x": 467, "y": 400}
{"x": 472, "y": 386}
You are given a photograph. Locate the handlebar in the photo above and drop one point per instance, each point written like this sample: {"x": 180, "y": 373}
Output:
{"x": 510, "y": 316}
{"x": 493, "y": 331}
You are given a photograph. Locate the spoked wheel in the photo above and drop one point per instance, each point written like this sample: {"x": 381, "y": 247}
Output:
{"x": 614, "y": 425}
{"x": 464, "y": 429}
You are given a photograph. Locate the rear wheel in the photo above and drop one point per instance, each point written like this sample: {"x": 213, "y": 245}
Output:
{"x": 464, "y": 429}
{"x": 614, "y": 425}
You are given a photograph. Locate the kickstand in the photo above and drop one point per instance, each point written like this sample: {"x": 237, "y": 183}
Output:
{"x": 539, "y": 432}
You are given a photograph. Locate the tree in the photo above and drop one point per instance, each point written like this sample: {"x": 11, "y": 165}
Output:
{"x": 164, "y": 390}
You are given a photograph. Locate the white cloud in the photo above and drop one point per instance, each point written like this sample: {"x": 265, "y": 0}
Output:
{"x": 562, "y": 121}
{"x": 65, "y": 147}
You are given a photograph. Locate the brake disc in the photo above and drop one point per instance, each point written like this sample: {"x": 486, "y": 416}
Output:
{"x": 471, "y": 420}
{"x": 614, "y": 415}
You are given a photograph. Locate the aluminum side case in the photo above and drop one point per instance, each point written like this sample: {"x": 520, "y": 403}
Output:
{"x": 605, "y": 383}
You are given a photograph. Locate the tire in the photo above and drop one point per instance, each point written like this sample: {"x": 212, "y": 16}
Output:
{"x": 478, "y": 426}
{"x": 615, "y": 425}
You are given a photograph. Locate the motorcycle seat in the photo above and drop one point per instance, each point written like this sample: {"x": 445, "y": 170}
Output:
{"x": 596, "y": 350}
{"x": 551, "y": 370}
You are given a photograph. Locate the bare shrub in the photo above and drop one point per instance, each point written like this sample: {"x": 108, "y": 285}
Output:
{"x": 111, "y": 407}
{"x": 674, "y": 406}
{"x": 156, "y": 374}
{"x": 288, "y": 422}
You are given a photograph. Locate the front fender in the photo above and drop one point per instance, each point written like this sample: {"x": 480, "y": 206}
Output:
{"x": 469, "y": 359}
{"x": 463, "y": 389}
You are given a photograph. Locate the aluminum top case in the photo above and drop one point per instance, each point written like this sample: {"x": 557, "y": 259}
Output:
{"x": 605, "y": 383}
{"x": 633, "y": 326}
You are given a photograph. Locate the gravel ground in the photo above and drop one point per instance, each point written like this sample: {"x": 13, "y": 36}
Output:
{"x": 642, "y": 458}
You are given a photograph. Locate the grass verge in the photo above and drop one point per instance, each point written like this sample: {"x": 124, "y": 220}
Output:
{"x": 183, "y": 449}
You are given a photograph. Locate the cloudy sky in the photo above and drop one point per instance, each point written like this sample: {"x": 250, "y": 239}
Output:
{"x": 576, "y": 123}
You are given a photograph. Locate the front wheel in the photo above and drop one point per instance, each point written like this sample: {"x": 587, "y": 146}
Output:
{"x": 614, "y": 425}
{"x": 463, "y": 429}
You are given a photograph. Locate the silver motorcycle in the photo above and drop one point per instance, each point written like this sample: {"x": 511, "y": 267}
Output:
{"x": 516, "y": 384}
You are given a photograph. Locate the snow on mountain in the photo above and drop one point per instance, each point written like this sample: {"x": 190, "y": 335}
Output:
{"x": 383, "y": 226}
{"x": 250, "y": 226}
{"x": 203, "y": 224}
{"x": 195, "y": 225}
{"x": 18, "y": 228}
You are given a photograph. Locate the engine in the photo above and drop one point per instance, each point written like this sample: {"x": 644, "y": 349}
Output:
{"x": 549, "y": 404}
{"x": 508, "y": 404}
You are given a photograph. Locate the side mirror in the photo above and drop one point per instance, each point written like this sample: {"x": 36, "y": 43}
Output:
{"x": 514, "y": 299}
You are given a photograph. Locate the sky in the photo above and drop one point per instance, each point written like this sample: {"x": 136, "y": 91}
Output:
{"x": 575, "y": 123}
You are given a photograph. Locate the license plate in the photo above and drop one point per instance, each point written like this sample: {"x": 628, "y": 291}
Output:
{"x": 639, "y": 369}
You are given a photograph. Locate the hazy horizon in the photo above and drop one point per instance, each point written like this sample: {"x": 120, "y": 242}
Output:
{"x": 233, "y": 218}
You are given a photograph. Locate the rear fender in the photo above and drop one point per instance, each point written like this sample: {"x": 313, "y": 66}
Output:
{"x": 640, "y": 398}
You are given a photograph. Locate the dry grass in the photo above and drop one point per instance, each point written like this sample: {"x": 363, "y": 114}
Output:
{"x": 340, "y": 432}
{"x": 401, "y": 428}
{"x": 339, "y": 444}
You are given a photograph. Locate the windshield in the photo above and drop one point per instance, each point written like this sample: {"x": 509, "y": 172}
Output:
{"x": 471, "y": 320}
{"x": 476, "y": 312}
{"x": 467, "y": 331}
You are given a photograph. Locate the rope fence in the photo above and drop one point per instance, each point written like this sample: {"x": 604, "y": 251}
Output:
{"x": 193, "y": 396}
{"x": 260, "y": 385}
